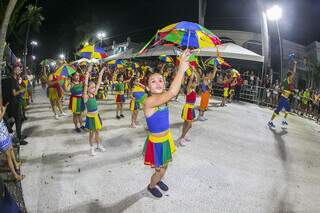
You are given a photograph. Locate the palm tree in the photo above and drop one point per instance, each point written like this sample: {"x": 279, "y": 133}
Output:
{"x": 3, "y": 33}
{"x": 31, "y": 19}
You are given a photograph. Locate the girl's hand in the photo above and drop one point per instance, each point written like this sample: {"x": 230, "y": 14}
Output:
{"x": 184, "y": 63}
{"x": 3, "y": 108}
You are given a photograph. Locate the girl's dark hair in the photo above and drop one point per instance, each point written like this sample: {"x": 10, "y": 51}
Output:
{"x": 131, "y": 82}
{"x": 119, "y": 75}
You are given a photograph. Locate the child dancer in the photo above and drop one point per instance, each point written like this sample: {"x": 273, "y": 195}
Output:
{"x": 6, "y": 146}
{"x": 76, "y": 104}
{"x": 287, "y": 87}
{"x": 138, "y": 97}
{"x": 159, "y": 145}
{"x": 55, "y": 94}
{"x": 226, "y": 88}
{"x": 205, "y": 94}
{"x": 93, "y": 120}
{"x": 188, "y": 113}
{"x": 120, "y": 98}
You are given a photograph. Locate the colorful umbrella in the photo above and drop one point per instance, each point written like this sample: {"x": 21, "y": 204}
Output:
{"x": 193, "y": 62}
{"x": 188, "y": 34}
{"x": 84, "y": 63}
{"x": 165, "y": 58}
{"x": 215, "y": 61}
{"x": 65, "y": 70}
{"x": 91, "y": 51}
{"x": 135, "y": 66}
{"x": 46, "y": 62}
{"x": 119, "y": 63}
{"x": 234, "y": 73}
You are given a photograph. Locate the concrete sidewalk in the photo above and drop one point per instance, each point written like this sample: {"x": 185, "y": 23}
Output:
{"x": 234, "y": 163}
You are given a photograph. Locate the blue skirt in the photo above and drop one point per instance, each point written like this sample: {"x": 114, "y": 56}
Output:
{"x": 5, "y": 144}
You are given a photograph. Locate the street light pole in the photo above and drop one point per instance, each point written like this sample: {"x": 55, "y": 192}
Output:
{"x": 281, "y": 51}
{"x": 274, "y": 14}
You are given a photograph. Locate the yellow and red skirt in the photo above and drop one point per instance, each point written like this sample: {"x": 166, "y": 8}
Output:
{"x": 188, "y": 112}
{"x": 134, "y": 105}
{"x": 158, "y": 150}
{"x": 119, "y": 98}
{"x": 76, "y": 104}
{"x": 226, "y": 92}
{"x": 204, "y": 102}
{"x": 93, "y": 122}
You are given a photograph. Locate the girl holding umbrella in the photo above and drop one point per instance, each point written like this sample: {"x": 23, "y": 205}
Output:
{"x": 159, "y": 145}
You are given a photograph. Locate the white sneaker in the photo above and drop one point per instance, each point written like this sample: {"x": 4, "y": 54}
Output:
{"x": 101, "y": 148}
{"x": 182, "y": 142}
{"x": 201, "y": 118}
{"x": 63, "y": 114}
{"x": 56, "y": 117}
{"x": 92, "y": 152}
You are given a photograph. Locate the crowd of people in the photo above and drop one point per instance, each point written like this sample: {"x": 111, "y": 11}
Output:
{"x": 149, "y": 87}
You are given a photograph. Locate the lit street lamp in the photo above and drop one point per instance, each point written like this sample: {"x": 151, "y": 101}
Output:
{"x": 34, "y": 43}
{"x": 101, "y": 35}
{"x": 274, "y": 13}
{"x": 33, "y": 57}
{"x": 62, "y": 56}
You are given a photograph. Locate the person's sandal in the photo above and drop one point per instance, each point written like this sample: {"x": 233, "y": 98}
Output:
{"x": 155, "y": 192}
{"x": 163, "y": 186}
{"x": 19, "y": 178}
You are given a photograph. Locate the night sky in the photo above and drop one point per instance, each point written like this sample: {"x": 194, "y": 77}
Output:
{"x": 67, "y": 22}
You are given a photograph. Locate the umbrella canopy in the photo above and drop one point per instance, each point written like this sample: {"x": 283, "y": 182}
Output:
{"x": 65, "y": 70}
{"x": 165, "y": 58}
{"x": 193, "y": 62}
{"x": 118, "y": 63}
{"x": 91, "y": 51}
{"x": 84, "y": 63}
{"x": 234, "y": 73}
{"x": 188, "y": 34}
{"x": 215, "y": 61}
{"x": 135, "y": 66}
{"x": 46, "y": 62}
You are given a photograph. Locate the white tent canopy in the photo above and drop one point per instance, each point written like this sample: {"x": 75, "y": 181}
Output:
{"x": 227, "y": 50}
{"x": 158, "y": 50}
{"x": 230, "y": 50}
{"x": 123, "y": 55}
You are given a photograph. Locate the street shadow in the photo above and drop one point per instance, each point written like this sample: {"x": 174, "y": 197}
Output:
{"x": 95, "y": 163}
{"x": 52, "y": 132}
{"x": 280, "y": 145}
{"x": 33, "y": 119}
{"x": 117, "y": 207}
{"x": 280, "y": 193}
{"x": 29, "y": 131}
{"x": 54, "y": 157}
{"x": 215, "y": 105}
{"x": 38, "y": 107}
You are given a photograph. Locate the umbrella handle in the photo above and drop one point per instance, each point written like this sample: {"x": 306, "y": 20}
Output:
{"x": 188, "y": 39}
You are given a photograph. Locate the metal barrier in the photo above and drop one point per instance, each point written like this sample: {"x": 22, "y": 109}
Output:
{"x": 247, "y": 92}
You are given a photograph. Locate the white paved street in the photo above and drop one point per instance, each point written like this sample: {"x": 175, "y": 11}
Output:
{"x": 234, "y": 163}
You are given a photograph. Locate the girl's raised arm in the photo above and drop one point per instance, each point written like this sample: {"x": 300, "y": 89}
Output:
{"x": 154, "y": 101}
